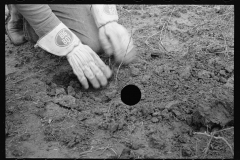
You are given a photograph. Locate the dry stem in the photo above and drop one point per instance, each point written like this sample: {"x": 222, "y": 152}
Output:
{"x": 126, "y": 49}
{"x": 163, "y": 29}
{"x": 212, "y": 136}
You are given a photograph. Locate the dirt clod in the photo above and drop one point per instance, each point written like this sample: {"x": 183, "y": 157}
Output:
{"x": 134, "y": 71}
{"x": 71, "y": 91}
{"x": 154, "y": 120}
{"x": 111, "y": 94}
{"x": 222, "y": 72}
{"x": 229, "y": 68}
{"x": 24, "y": 137}
{"x": 126, "y": 154}
{"x": 146, "y": 79}
{"x": 60, "y": 91}
{"x": 17, "y": 153}
{"x": 186, "y": 152}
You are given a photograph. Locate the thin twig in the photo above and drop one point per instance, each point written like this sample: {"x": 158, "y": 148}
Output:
{"x": 150, "y": 37}
{"x": 126, "y": 49}
{"x": 146, "y": 41}
{"x": 108, "y": 147}
{"x": 163, "y": 29}
{"x": 212, "y": 136}
{"x": 87, "y": 151}
{"x": 224, "y": 129}
{"x": 207, "y": 148}
{"x": 197, "y": 147}
{"x": 225, "y": 142}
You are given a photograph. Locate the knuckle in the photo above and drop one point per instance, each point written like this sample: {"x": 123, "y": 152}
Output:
{"x": 99, "y": 73}
{"x": 90, "y": 76}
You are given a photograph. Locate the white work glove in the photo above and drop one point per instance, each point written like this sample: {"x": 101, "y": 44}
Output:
{"x": 113, "y": 37}
{"x": 85, "y": 63}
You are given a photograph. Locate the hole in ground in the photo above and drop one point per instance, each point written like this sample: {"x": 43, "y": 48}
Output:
{"x": 64, "y": 78}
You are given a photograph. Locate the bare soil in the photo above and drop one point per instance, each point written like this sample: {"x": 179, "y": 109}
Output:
{"x": 185, "y": 70}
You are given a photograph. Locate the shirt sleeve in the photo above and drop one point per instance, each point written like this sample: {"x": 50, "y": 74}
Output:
{"x": 39, "y": 16}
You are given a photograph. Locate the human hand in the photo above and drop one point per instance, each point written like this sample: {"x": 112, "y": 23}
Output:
{"x": 116, "y": 41}
{"x": 113, "y": 37}
{"x": 86, "y": 64}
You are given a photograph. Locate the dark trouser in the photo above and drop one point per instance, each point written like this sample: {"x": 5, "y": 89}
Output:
{"x": 78, "y": 18}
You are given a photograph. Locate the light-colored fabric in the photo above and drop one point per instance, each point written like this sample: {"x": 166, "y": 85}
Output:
{"x": 104, "y": 13}
{"x": 86, "y": 64}
{"x": 116, "y": 41}
{"x": 84, "y": 61}
{"x": 60, "y": 41}
{"x": 78, "y": 18}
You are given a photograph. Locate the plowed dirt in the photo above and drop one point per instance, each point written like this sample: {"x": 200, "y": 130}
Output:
{"x": 185, "y": 70}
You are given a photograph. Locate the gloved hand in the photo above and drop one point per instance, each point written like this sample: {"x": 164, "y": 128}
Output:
{"x": 113, "y": 37}
{"x": 85, "y": 62}
{"x": 115, "y": 40}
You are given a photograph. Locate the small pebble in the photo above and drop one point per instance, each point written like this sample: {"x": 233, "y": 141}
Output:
{"x": 135, "y": 146}
{"x": 52, "y": 92}
{"x": 53, "y": 85}
{"x": 134, "y": 72}
{"x": 186, "y": 152}
{"x": 146, "y": 78}
{"x": 111, "y": 94}
{"x": 78, "y": 95}
{"x": 176, "y": 14}
{"x": 158, "y": 70}
{"x": 25, "y": 137}
{"x": 216, "y": 78}
{"x": 222, "y": 72}
{"x": 154, "y": 120}
{"x": 71, "y": 83}
{"x": 71, "y": 91}
{"x": 156, "y": 113}
{"x": 223, "y": 80}
{"x": 176, "y": 112}
{"x": 229, "y": 68}
{"x": 114, "y": 127}
{"x": 206, "y": 108}
{"x": 60, "y": 91}
{"x": 41, "y": 55}
{"x": 17, "y": 153}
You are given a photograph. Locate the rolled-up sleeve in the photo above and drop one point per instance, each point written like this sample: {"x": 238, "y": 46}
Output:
{"x": 40, "y": 17}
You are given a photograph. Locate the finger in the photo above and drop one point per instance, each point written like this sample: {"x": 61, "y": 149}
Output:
{"x": 83, "y": 62}
{"x": 91, "y": 77}
{"x": 106, "y": 44}
{"x": 78, "y": 72}
{"x": 98, "y": 73}
{"x": 105, "y": 69}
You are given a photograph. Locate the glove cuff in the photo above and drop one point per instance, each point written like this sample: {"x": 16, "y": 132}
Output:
{"x": 103, "y": 14}
{"x": 107, "y": 23}
{"x": 60, "y": 41}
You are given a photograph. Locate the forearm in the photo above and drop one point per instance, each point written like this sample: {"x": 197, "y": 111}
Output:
{"x": 40, "y": 17}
